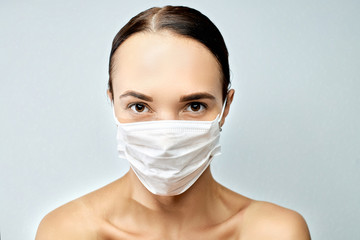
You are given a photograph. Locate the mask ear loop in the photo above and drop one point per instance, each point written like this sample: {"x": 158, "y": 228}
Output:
{"x": 115, "y": 118}
{"x": 222, "y": 113}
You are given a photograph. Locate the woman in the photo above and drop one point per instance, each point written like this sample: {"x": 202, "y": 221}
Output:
{"x": 169, "y": 84}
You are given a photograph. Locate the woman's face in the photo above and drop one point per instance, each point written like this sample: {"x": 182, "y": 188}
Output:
{"x": 162, "y": 76}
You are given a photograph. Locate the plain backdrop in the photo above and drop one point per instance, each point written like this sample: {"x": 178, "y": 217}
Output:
{"x": 292, "y": 136}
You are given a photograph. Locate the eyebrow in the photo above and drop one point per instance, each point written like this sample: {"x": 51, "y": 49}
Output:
{"x": 185, "y": 98}
{"x": 196, "y": 96}
{"x": 137, "y": 95}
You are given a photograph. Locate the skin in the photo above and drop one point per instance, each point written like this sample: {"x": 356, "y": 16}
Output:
{"x": 154, "y": 74}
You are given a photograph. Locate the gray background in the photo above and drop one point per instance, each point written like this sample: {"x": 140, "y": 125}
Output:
{"x": 292, "y": 136}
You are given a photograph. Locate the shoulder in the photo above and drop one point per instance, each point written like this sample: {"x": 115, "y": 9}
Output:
{"x": 263, "y": 220}
{"x": 82, "y": 218}
{"x": 70, "y": 221}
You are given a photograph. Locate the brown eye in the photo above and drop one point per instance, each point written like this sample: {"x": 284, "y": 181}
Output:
{"x": 139, "y": 108}
{"x": 195, "y": 107}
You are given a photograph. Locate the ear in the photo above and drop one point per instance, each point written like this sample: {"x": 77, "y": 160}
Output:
{"x": 230, "y": 97}
{"x": 110, "y": 95}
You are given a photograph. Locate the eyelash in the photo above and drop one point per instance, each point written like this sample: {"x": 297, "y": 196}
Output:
{"x": 138, "y": 103}
{"x": 203, "y": 105}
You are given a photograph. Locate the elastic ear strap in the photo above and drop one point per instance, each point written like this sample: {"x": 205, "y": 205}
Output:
{"x": 115, "y": 118}
{"x": 223, "y": 109}
{"x": 222, "y": 113}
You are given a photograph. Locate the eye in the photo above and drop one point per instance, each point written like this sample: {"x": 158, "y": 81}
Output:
{"x": 196, "y": 107}
{"x": 138, "y": 107}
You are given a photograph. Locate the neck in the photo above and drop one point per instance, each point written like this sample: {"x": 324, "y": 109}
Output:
{"x": 198, "y": 201}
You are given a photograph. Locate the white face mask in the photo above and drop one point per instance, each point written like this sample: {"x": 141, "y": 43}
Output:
{"x": 168, "y": 156}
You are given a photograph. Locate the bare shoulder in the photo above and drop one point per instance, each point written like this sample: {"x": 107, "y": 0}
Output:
{"x": 81, "y": 218}
{"x": 70, "y": 221}
{"x": 263, "y": 220}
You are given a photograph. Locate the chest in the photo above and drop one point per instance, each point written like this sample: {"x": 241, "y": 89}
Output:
{"x": 223, "y": 231}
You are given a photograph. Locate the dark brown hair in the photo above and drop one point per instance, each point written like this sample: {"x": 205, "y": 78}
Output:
{"x": 180, "y": 20}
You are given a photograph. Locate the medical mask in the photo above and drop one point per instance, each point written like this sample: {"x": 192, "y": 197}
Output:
{"x": 168, "y": 156}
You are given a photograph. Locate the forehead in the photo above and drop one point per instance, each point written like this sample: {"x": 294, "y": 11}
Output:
{"x": 165, "y": 61}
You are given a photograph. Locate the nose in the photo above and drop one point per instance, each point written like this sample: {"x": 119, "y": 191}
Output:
{"x": 167, "y": 115}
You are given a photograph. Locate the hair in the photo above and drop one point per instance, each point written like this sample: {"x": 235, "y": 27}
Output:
{"x": 183, "y": 21}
